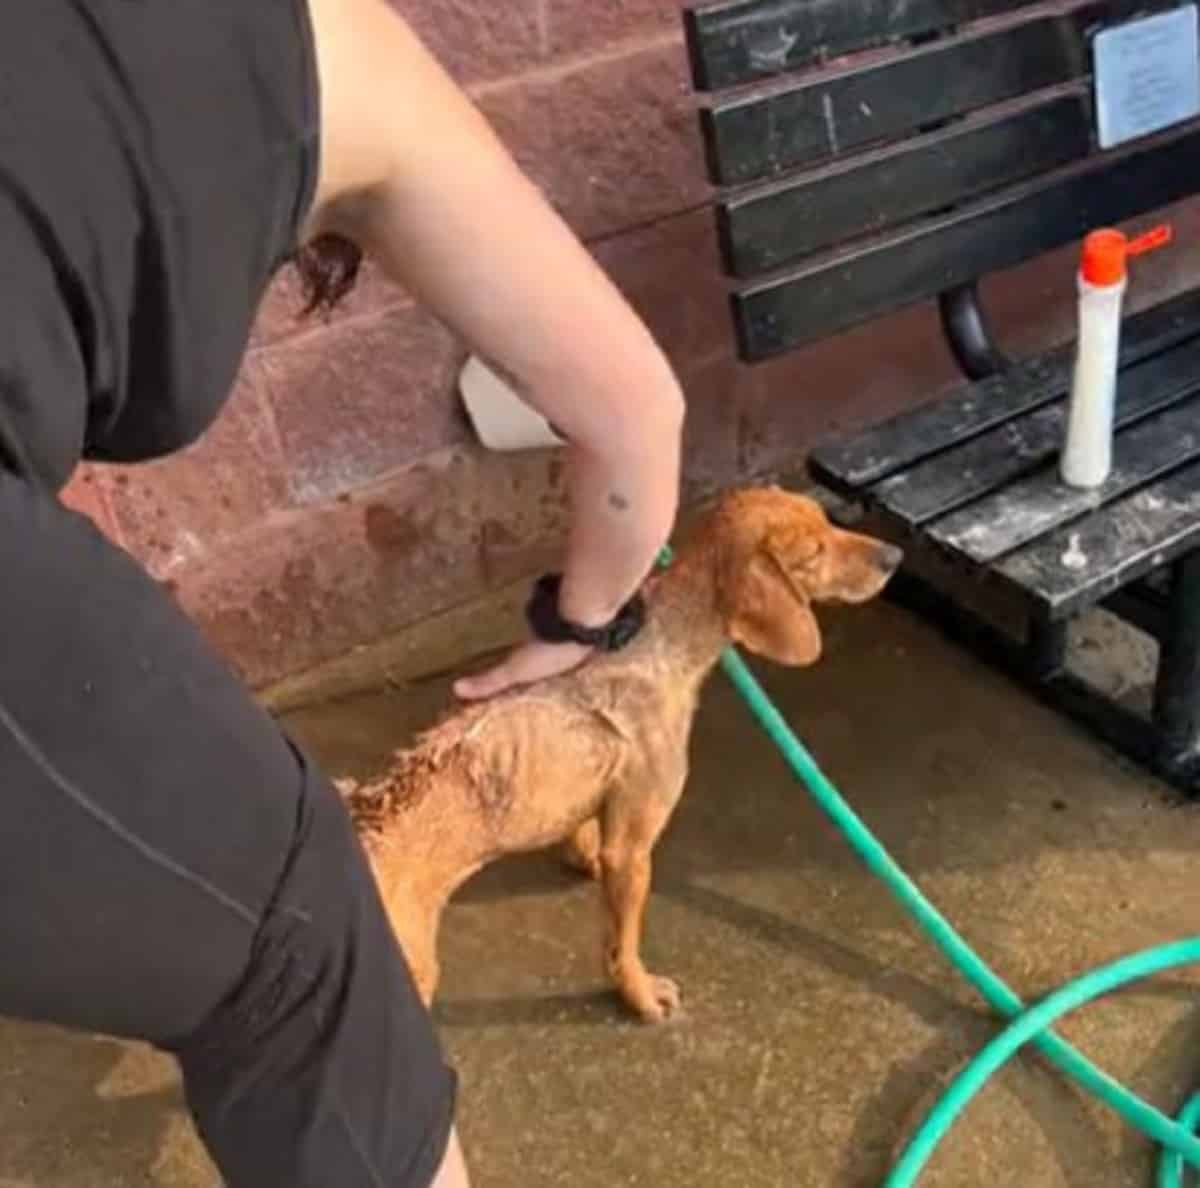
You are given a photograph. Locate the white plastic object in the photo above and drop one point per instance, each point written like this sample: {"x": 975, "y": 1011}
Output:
{"x": 501, "y": 419}
{"x": 1087, "y": 455}
{"x": 1086, "y": 460}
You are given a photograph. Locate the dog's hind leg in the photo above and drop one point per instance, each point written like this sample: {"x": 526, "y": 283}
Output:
{"x": 581, "y": 851}
{"x": 416, "y": 929}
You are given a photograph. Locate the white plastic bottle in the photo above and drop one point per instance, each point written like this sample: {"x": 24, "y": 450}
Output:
{"x": 1087, "y": 455}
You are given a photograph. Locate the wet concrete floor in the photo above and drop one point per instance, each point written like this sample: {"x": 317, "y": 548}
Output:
{"x": 818, "y": 1022}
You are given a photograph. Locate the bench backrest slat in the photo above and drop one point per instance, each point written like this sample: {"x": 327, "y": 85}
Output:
{"x": 767, "y": 230}
{"x": 921, "y": 262}
{"x": 746, "y": 40}
{"x": 760, "y": 136}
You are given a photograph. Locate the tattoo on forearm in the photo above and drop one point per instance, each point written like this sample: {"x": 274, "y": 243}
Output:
{"x": 617, "y": 501}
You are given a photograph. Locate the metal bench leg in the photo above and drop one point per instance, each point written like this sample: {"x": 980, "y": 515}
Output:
{"x": 1177, "y": 693}
{"x": 1046, "y": 647}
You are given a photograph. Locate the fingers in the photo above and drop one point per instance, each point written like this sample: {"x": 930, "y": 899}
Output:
{"x": 529, "y": 663}
{"x": 485, "y": 684}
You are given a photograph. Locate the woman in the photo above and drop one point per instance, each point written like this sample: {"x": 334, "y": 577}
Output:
{"x": 171, "y": 867}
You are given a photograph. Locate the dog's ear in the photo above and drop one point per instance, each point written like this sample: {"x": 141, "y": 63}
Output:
{"x": 772, "y": 616}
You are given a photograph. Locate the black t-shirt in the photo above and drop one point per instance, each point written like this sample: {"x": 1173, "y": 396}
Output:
{"x": 156, "y": 160}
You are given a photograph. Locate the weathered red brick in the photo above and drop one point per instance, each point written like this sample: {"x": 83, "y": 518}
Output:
{"x": 281, "y": 315}
{"x": 270, "y": 602}
{"x": 853, "y": 379}
{"x": 613, "y": 142}
{"x": 671, "y": 273}
{"x": 711, "y": 429}
{"x": 363, "y": 398}
{"x": 314, "y": 583}
{"x": 87, "y": 493}
{"x": 174, "y": 510}
{"x": 573, "y": 27}
{"x": 478, "y": 39}
{"x": 525, "y": 527}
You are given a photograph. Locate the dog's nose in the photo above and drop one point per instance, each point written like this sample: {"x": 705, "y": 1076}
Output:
{"x": 889, "y": 558}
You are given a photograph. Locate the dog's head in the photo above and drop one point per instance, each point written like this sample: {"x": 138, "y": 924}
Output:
{"x": 777, "y": 554}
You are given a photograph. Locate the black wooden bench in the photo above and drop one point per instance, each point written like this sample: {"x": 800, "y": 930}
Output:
{"x": 873, "y": 154}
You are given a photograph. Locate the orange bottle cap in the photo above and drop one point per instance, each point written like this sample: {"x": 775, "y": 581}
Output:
{"x": 1105, "y": 253}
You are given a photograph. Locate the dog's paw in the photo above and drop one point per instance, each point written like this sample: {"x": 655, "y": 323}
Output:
{"x": 655, "y": 999}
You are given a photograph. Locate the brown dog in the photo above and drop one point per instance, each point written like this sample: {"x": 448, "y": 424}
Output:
{"x": 599, "y": 756}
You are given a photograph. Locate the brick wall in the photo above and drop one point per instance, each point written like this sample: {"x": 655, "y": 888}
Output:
{"x": 340, "y": 497}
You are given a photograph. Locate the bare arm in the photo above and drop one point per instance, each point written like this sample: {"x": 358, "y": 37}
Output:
{"x": 414, "y": 173}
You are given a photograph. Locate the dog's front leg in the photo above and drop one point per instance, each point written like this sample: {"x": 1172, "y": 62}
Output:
{"x": 632, "y": 825}
{"x": 627, "y": 885}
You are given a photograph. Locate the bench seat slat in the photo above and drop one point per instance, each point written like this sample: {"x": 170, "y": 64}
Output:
{"x": 850, "y": 464}
{"x": 953, "y": 478}
{"x": 1082, "y": 563}
{"x": 1013, "y": 516}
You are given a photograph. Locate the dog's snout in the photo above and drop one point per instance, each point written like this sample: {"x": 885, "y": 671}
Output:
{"x": 888, "y": 558}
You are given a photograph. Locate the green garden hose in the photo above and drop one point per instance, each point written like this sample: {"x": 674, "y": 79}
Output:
{"x": 1177, "y": 1138}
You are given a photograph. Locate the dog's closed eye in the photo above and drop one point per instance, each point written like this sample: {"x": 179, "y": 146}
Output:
{"x": 796, "y": 552}
{"x": 810, "y": 558}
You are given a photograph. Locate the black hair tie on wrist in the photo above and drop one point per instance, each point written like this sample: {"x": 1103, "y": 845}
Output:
{"x": 548, "y": 624}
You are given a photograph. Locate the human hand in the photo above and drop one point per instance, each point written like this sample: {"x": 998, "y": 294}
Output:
{"x": 526, "y": 665}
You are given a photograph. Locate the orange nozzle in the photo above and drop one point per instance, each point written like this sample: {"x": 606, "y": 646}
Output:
{"x": 1105, "y": 252}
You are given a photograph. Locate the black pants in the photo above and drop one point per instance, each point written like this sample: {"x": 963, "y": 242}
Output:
{"x": 172, "y": 869}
